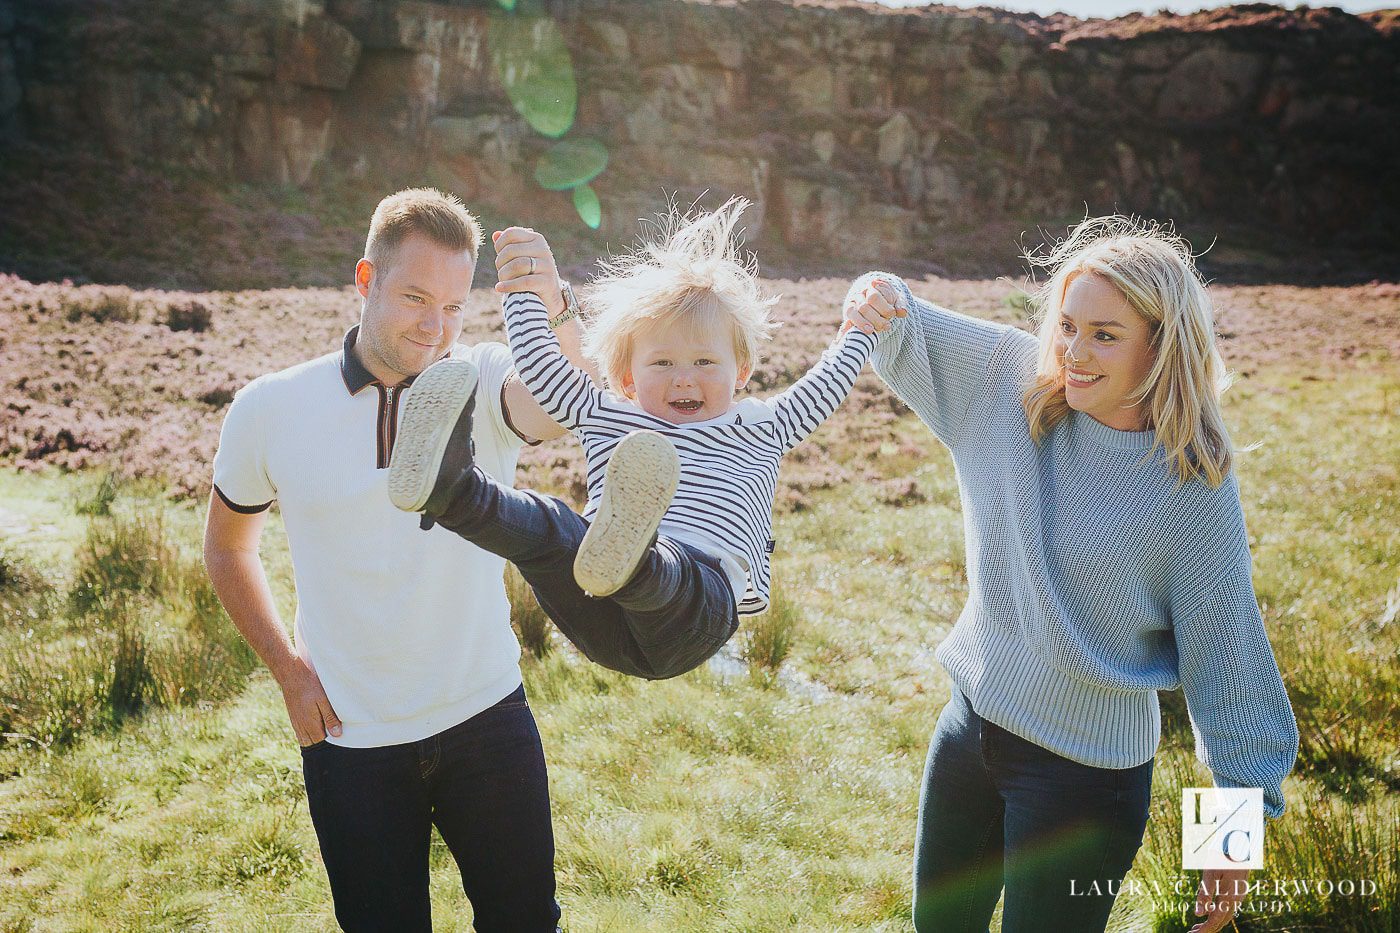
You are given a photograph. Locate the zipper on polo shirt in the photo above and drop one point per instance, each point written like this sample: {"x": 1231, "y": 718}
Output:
{"x": 388, "y": 425}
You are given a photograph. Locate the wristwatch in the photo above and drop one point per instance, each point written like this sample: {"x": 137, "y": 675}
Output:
{"x": 571, "y": 306}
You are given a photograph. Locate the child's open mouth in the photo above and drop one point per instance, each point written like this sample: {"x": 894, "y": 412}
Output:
{"x": 687, "y": 406}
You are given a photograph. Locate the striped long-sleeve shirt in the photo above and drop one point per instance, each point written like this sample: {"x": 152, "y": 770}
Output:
{"x": 1094, "y": 579}
{"x": 729, "y": 465}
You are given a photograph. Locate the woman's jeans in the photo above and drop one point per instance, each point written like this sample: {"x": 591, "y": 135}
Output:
{"x": 482, "y": 783}
{"x": 999, "y": 810}
{"x": 672, "y": 616}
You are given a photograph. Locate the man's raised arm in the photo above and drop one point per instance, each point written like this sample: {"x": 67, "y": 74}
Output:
{"x": 525, "y": 263}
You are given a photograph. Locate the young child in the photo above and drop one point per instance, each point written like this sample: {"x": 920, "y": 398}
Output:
{"x": 673, "y": 545}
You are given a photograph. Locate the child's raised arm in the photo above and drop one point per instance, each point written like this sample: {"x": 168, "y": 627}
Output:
{"x": 562, "y": 389}
{"x": 525, "y": 263}
{"x": 810, "y": 400}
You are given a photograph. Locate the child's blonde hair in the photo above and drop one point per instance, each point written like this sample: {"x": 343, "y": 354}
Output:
{"x": 1156, "y": 273}
{"x": 695, "y": 275}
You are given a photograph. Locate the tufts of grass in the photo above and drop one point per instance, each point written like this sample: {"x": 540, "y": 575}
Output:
{"x": 209, "y": 657}
{"x": 531, "y": 624}
{"x": 99, "y": 501}
{"x": 145, "y": 629}
{"x": 1330, "y": 838}
{"x": 1335, "y": 749}
{"x": 131, "y": 684}
{"x": 101, "y": 304}
{"x": 683, "y": 866}
{"x": 49, "y": 695}
{"x": 1321, "y": 837}
{"x": 191, "y": 314}
{"x": 188, "y": 669}
{"x": 26, "y": 595}
{"x": 123, "y": 554}
{"x": 768, "y": 638}
{"x": 80, "y": 786}
{"x": 268, "y": 852}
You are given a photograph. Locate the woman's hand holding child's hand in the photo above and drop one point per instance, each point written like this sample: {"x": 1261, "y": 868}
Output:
{"x": 525, "y": 263}
{"x": 872, "y": 311}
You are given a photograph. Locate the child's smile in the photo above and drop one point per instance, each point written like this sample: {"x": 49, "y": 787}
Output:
{"x": 682, "y": 376}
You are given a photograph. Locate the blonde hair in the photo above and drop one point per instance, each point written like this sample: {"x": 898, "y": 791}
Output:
{"x": 440, "y": 217}
{"x": 695, "y": 275}
{"x": 1154, "y": 270}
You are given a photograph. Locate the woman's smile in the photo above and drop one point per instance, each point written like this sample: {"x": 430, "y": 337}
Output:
{"x": 1098, "y": 328}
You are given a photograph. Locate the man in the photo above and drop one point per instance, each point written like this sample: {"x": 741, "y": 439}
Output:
{"x": 403, "y": 684}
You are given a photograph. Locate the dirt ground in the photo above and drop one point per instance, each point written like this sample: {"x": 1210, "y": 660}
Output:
{"x": 95, "y": 376}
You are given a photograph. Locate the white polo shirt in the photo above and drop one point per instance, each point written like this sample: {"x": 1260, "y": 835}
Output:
{"x": 408, "y": 630}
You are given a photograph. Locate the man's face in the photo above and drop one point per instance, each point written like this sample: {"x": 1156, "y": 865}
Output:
{"x": 413, "y": 308}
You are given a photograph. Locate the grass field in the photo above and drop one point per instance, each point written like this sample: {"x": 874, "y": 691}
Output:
{"x": 149, "y": 780}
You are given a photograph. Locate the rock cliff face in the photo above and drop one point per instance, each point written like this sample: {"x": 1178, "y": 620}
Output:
{"x": 857, "y": 130}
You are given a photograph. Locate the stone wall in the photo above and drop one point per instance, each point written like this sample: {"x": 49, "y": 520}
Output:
{"x": 856, "y": 129}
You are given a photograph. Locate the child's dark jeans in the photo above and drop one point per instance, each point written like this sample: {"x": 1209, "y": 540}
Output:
{"x": 672, "y": 616}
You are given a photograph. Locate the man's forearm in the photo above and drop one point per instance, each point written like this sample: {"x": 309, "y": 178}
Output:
{"x": 241, "y": 583}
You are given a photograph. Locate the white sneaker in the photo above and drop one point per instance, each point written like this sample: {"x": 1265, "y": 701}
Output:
{"x": 433, "y": 446}
{"x": 637, "y": 488}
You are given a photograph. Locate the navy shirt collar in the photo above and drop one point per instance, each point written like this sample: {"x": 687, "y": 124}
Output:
{"x": 351, "y": 369}
{"x": 353, "y": 372}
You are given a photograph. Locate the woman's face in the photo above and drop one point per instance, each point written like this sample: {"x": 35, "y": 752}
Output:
{"x": 1105, "y": 348}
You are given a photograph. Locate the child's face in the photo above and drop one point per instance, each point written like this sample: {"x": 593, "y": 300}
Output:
{"x": 681, "y": 376}
{"x": 1106, "y": 350}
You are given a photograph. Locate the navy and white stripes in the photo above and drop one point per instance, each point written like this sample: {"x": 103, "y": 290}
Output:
{"x": 1094, "y": 579}
{"x": 729, "y": 465}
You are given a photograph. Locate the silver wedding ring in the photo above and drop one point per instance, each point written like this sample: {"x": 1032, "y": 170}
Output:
{"x": 532, "y": 265}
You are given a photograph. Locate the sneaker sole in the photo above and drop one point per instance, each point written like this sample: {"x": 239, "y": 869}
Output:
{"x": 430, "y": 412}
{"x": 638, "y": 486}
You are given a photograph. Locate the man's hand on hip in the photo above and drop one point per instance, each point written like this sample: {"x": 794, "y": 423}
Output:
{"x": 307, "y": 706}
{"x": 236, "y": 570}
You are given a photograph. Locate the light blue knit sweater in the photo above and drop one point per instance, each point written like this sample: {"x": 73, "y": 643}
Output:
{"x": 1094, "y": 580}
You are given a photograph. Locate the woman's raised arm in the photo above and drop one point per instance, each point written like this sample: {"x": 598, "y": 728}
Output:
{"x": 934, "y": 359}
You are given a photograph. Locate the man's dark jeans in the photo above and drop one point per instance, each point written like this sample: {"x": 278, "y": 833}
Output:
{"x": 481, "y": 782}
{"x": 997, "y": 809}
{"x": 675, "y": 613}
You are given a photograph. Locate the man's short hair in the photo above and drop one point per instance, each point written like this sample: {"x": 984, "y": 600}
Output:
{"x": 427, "y": 212}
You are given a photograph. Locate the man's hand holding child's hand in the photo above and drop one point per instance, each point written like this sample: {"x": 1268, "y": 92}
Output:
{"x": 872, "y": 310}
{"x": 525, "y": 263}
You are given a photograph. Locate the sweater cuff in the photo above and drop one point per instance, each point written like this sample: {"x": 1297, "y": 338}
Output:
{"x": 1273, "y": 798}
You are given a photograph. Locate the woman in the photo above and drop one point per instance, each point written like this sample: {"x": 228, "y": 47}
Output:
{"x": 1107, "y": 559}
